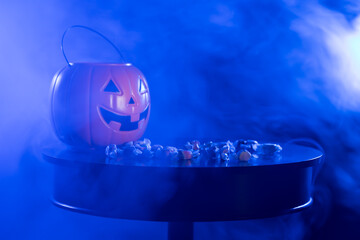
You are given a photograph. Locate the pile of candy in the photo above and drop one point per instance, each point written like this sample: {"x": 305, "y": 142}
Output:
{"x": 239, "y": 150}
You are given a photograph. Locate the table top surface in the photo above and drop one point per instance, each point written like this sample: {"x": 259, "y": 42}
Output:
{"x": 291, "y": 154}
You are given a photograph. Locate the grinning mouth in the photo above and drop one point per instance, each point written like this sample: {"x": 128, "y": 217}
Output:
{"x": 125, "y": 121}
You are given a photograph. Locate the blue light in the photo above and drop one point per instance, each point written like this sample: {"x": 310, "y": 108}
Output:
{"x": 266, "y": 70}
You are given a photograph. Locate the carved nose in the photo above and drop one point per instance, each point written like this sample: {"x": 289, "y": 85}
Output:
{"x": 131, "y": 101}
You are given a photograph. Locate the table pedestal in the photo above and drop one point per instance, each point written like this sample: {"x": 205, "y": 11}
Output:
{"x": 180, "y": 231}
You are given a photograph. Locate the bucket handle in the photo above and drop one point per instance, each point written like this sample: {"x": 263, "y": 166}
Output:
{"x": 91, "y": 30}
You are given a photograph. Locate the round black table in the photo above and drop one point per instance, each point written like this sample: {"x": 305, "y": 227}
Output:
{"x": 181, "y": 195}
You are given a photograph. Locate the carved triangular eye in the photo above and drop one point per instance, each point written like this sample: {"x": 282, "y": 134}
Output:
{"x": 142, "y": 87}
{"x": 111, "y": 87}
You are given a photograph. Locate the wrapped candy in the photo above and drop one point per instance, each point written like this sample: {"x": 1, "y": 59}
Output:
{"x": 244, "y": 155}
{"x": 188, "y": 146}
{"x": 136, "y": 152}
{"x": 217, "y": 152}
{"x": 111, "y": 151}
{"x": 268, "y": 149}
{"x": 157, "y": 150}
{"x": 171, "y": 152}
{"x": 195, "y": 153}
{"x": 186, "y": 154}
{"x": 252, "y": 144}
{"x": 196, "y": 145}
{"x": 225, "y": 156}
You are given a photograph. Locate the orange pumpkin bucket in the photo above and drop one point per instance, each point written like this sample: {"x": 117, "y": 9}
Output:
{"x": 97, "y": 104}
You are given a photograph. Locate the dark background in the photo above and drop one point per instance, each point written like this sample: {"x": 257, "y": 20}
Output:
{"x": 259, "y": 69}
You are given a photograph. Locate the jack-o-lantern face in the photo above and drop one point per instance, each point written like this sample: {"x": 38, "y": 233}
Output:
{"x": 129, "y": 117}
{"x": 110, "y": 103}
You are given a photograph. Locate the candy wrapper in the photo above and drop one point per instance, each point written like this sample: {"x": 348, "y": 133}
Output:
{"x": 194, "y": 152}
